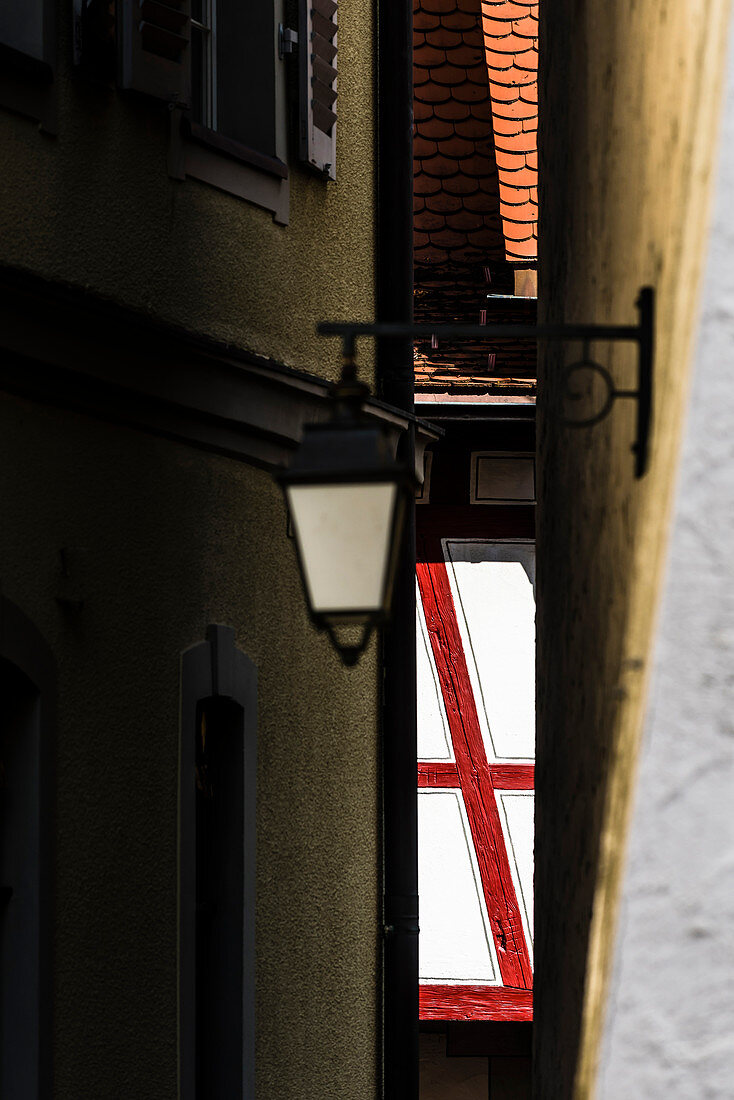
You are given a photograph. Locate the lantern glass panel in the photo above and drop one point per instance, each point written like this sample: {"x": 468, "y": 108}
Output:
{"x": 344, "y": 535}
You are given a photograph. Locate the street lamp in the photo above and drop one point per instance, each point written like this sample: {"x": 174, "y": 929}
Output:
{"x": 346, "y": 496}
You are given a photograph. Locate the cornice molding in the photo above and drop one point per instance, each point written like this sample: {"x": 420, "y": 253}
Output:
{"x": 68, "y": 347}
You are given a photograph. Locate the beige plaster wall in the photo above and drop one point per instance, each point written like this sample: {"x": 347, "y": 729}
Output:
{"x": 629, "y": 112}
{"x": 95, "y": 206}
{"x": 163, "y": 540}
{"x": 167, "y": 539}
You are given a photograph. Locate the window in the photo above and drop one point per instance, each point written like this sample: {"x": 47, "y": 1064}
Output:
{"x": 26, "y": 698}
{"x": 217, "y": 870}
{"x": 21, "y": 27}
{"x": 233, "y": 60}
{"x": 219, "y": 898}
{"x": 223, "y": 63}
{"x": 217, "y": 62}
{"x": 26, "y": 60}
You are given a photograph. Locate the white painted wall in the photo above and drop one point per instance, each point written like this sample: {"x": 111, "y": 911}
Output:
{"x": 670, "y": 1026}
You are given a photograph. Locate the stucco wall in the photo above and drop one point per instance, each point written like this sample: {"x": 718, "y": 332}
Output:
{"x": 671, "y": 1015}
{"x": 163, "y": 540}
{"x": 629, "y": 110}
{"x": 95, "y": 206}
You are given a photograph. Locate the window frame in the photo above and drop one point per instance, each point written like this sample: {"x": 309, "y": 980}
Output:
{"x": 202, "y": 153}
{"x": 27, "y": 83}
{"x": 24, "y": 649}
{"x": 215, "y": 670}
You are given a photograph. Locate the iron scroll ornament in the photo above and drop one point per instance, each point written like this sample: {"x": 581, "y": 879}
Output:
{"x": 641, "y": 334}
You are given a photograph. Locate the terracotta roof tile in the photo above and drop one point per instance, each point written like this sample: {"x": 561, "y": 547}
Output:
{"x": 487, "y": 204}
{"x": 510, "y": 34}
{"x": 517, "y": 231}
{"x": 452, "y": 109}
{"x": 509, "y": 11}
{"x": 520, "y": 77}
{"x": 426, "y": 185}
{"x": 520, "y": 143}
{"x": 500, "y": 41}
{"x": 422, "y": 111}
{"x": 521, "y": 177}
{"x": 461, "y": 185}
{"x": 459, "y": 148}
{"x": 517, "y": 110}
{"x": 527, "y": 249}
{"x": 448, "y": 76}
{"x": 518, "y": 195}
{"x": 504, "y": 93}
{"x": 504, "y": 127}
{"x": 435, "y": 256}
{"x": 465, "y": 219}
{"x": 445, "y": 37}
{"x": 521, "y": 212}
{"x": 435, "y": 93}
{"x": 422, "y": 147}
{"x": 470, "y": 93}
{"x": 500, "y": 61}
{"x": 475, "y": 129}
{"x": 443, "y": 167}
{"x": 450, "y": 239}
{"x": 527, "y": 61}
{"x": 526, "y": 27}
{"x": 445, "y": 203}
{"x": 458, "y": 20}
{"x": 509, "y": 161}
{"x": 437, "y": 7}
{"x": 432, "y": 221}
{"x": 428, "y": 56}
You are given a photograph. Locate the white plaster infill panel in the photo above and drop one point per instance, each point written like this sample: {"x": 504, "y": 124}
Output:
{"x": 434, "y": 736}
{"x": 455, "y": 943}
{"x": 492, "y": 584}
{"x": 517, "y": 813}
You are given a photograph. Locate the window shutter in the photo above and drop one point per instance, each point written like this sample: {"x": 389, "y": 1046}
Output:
{"x": 318, "y": 35}
{"x": 154, "y": 37}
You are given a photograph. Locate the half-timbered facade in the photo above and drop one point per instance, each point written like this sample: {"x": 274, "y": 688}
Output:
{"x": 475, "y": 180}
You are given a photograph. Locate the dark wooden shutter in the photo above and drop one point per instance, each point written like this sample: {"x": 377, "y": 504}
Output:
{"x": 154, "y": 43}
{"x": 318, "y": 54}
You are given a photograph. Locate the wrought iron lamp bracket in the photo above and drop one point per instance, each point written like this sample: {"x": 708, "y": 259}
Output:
{"x": 641, "y": 334}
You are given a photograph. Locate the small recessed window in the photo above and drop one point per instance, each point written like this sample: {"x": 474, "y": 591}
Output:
{"x": 502, "y": 478}
{"x": 217, "y": 868}
{"x": 24, "y": 927}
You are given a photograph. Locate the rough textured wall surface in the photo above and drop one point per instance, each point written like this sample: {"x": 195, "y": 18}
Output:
{"x": 629, "y": 98}
{"x": 95, "y": 206}
{"x": 170, "y": 539}
{"x": 162, "y": 540}
{"x": 671, "y": 1013}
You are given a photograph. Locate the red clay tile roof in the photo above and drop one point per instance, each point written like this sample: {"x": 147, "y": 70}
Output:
{"x": 469, "y": 178}
{"x": 511, "y": 44}
{"x": 456, "y": 185}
